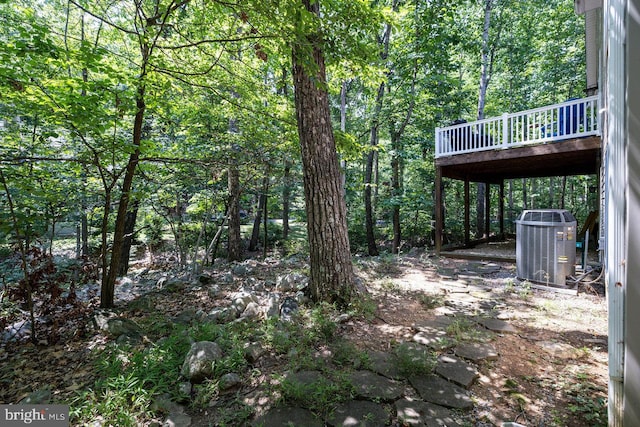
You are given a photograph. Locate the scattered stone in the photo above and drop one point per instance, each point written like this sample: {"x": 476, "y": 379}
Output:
{"x": 222, "y": 314}
{"x": 438, "y": 323}
{"x": 305, "y": 379}
{"x": 359, "y": 413}
{"x": 273, "y": 306}
{"x": 185, "y": 317}
{"x": 343, "y": 318}
{"x": 175, "y": 285}
{"x": 292, "y": 282}
{"x": 227, "y": 278}
{"x": 288, "y": 308}
{"x": 496, "y": 325}
{"x": 447, "y": 273}
{"x": 119, "y": 326}
{"x": 252, "y": 311}
{"x": 240, "y": 270}
{"x": 558, "y": 349}
{"x": 213, "y": 291}
{"x": 16, "y": 332}
{"x": 375, "y": 387}
{"x": 288, "y": 416}
{"x": 200, "y": 360}
{"x": 301, "y": 297}
{"x": 456, "y": 370}
{"x": 476, "y": 352}
{"x": 242, "y": 299}
{"x": 384, "y": 364}
{"x": 253, "y": 351}
{"x": 37, "y": 397}
{"x": 436, "y": 390}
{"x": 419, "y": 413}
{"x": 229, "y": 381}
{"x": 177, "y": 420}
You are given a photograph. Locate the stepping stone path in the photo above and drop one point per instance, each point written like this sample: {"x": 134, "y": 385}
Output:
{"x": 436, "y": 399}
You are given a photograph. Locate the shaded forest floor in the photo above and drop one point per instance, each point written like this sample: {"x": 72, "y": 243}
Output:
{"x": 550, "y": 371}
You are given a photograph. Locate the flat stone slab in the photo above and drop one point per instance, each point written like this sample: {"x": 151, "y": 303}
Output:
{"x": 436, "y": 390}
{"x": 437, "y": 323}
{"x": 456, "y": 370}
{"x": 287, "y": 416}
{"x": 496, "y": 325}
{"x": 419, "y": 413}
{"x": 476, "y": 352}
{"x": 358, "y": 413}
{"x": 384, "y": 364}
{"x": 375, "y": 387}
{"x": 305, "y": 378}
{"x": 435, "y": 340}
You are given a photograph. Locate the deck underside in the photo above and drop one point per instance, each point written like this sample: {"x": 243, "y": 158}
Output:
{"x": 561, "y": 158}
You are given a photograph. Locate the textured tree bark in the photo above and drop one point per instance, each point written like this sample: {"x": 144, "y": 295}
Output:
{"x": 330, "y": 256}
{"x": 286, "y": 197}
{"x": 108, "y": 285}
{"x": 262, "y": 202}
{"x": 234, "y": 242}
{"x": 129, "y": 228}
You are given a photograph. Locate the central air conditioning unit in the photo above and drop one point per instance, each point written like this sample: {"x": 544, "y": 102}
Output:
{"x": 546, "y": 246}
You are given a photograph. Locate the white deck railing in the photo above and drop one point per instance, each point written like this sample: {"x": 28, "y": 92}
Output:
{"x": 572, "y": 119}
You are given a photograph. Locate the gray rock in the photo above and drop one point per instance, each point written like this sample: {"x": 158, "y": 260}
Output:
{"x": 229, "y": 381}
{"x": 120, "y": 326}
{"x": 301, "y": 297}
{"x": 359, "y": 413}
{"x": 240, "y": 270}
{"x": 213, "y": 291}
{"x": 227, "y": 278}
{"x": 16, "y": 332}
{"x": 375, "y": 387}
{"x": 253, "y": 351}
{"x": 497, "y": 325}
{"x": 200, "y": 360}
{"x": 436, "y": 390}
{"x": 419, "y": 413}
{"x": 185, "y": 389}
{"x": 222, "y": 314}
{"x": 185, "y": 317}
{"x": 175, "y": 285}
{"x": 273, "y": 306}
{"x": 252, "y": 311}
{"x": 288, "y": 416}
{"x": 177, "y": 420}
{"x": 288, "y": 308}
{"x": 240, "y": 300}
{"x": 292, "y": 282}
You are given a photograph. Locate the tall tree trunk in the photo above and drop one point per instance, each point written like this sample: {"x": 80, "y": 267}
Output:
{"x": 286, "y": 196}
{"x": 330, "y": 257}
{"x": 234, "y": 248}
{"x": 563, "y": 192}
{"x": 486, "y": 65}
{"x": 525, "y": 200}
{"x": 551, "y": 192}
{"x": 368, "y": 176}
{"x": 511, "y": 207}
{"x": 108, "y": 285}
{"x": 129, "y": 229}
{"x": 343, "y": 128}
{"x": 262, "y": 201}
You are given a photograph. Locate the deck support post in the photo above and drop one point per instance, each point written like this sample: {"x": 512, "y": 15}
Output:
{"x": 467, "y": 215}
{"x": 487, "y": 210}
{"x": 439, "y": 217}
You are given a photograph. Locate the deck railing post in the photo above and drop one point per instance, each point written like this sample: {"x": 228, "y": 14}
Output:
{"x": 505, "y": 129}
{"x": 438, "y": 142}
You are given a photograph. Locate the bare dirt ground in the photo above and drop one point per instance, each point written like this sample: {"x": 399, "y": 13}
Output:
{"x": 551, "y": 372}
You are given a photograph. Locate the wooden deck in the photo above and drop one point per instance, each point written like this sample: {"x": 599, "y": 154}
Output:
{"x": 518, "y": 149}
